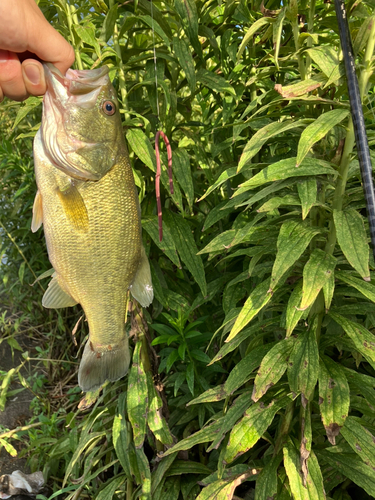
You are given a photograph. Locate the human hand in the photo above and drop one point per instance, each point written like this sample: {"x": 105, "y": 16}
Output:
{"x": 24, "y": 31}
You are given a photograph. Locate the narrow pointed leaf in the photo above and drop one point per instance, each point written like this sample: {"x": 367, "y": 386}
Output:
{"x": 317, "y": 271}
{"x": 251, "y": 427}
{"x": 352, "y": 238}
{"x": 182, "y": 171}
{"x": 214, "y": 82}
{"x": 307, "y": 191}
{"x": 263, "y": 135}
{"x": 266, "y": 485}
{"x": 293, "y": 468}
{"x": 187, "y": 248}
{"x": 362, "y": 338}
{"x": 292, "y": 241}
{"x": 318, "y": 129}
{"x": 108, "y": 491}
{"x": 334, "y": 397}
{"x": 360, "y": 473}
{"x": 120, "y": 435}
{"x": 142, "y": 147}
{"x": 223, "y": 489}
{"x": 293, "y": 314}
{"x": 360, "y": 439}
{"x": 367, "y": 289}
{"x": 155, "y": 419}
{"x": 186, "y": 61}
{"x": 151, "y": 226}
{"x": 328, "y": 290}
{"x": 272, "y": 367}
{"x": 223, "y": 177}
{"x": 137, "y": 397}
{"x": 303, "y": 366}
{"x": 257, "y": 300}
{"x": 284, "y": 169}
{"x": 263, "y": 21}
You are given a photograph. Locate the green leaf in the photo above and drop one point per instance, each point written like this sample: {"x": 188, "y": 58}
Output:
{"x": 145, "y": 473}
{"x": 223, "y": 489}
{"x": 334, "y": 397}
{"x": 314, "y": 479}
{"x": 367, "y": 289}
{"x": 259, "y": 298}
{"x": 155, "y": 419}
{"x": 284, "y": 169}
{"x": 292, "y": 241}
{"x": 360, "y": 439}
{"x": 7, "y": 380}
{"x": 25, "y": 108}
{"x": 8, "y": 447}
{"x": 161, "y": 471}
{"x": 223, "y": 177}
{"x": 120, "y": 435}
{"x": 186, "y": 61}
{"x": 243, "y": 369}
{"x": 155, "y": 26}
{"x": 272, "y": 367}
{"x": 354, "y": 469}
{"x": 109, "y": 23}
{"x": 137, "y": 397}
{"x": 317, "y": 130}
{"x": 251, "y": 428}
{"x": 292, "y": 466}
{"x": 351, "y": 237}
{"x": 182, "y": 171}
{"x": 307, "y": 191}
{"x": 363, "y": 340}
{"x": 251, "y": 32}
{"x": 187, "y": 11}
{"x": 87, "y": 34}
{"x": 190, "y": 377}
{"x": 316, "y": 273}
{"x": 266, "y": 484}
{"x": 214, "y": 82}
{"x": 328, "y": 290}
{"x": 142, "y": 147}
{"x": 303, "y": 365}
{"x": 326, "y": 57}
{"x": 263, "y": 135}
{"x": 151, "y": 225}
{"x": 187, "y": 248}
{"x": 108, "y": 491}
{"x": 293, "y": 314}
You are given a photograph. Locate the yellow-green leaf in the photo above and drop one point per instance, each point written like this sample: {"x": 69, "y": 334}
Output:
{"x": 307, "y": 191}
{"x": 367, "y": 289}
{"x": 142, "y": 147}
{"x": 137, "y": 397}
{"x": 351, "y": 237}
{"x": 186, "y": 61}
{"x": 334, "y": 397}
{"x": 360, "y": 439}
{"x": 317, "y": 130}
{"x": 272, "y": 367}
{"x": 316, "y": 273}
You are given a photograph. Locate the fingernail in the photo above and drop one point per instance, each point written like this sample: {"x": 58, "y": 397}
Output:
{"x": 4, "y": 55}
{"x": 32, "y": 72}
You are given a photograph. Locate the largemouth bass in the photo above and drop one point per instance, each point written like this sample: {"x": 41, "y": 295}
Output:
{"x": 88, "y": 204}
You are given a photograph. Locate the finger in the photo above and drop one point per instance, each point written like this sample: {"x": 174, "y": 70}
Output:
{"x": 1, "y": 95}
{"x": 11, "y": 80}
{"x": 52, "y": 47}
{"x": 33, "y": 77}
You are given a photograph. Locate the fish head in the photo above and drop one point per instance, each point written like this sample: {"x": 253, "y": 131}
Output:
{"x": 81, "y": 125}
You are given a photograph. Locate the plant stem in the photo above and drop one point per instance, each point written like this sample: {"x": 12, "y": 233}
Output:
{"x": 310, "y": 28}
{"x": 121, "y": 78}
{"x": 19, "y": 429}
{"x": 72, "y": 18}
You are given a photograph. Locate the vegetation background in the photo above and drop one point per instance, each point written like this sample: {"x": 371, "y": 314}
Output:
{"x": 253, "y": 370}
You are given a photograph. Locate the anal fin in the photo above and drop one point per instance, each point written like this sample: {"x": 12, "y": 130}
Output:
{"x": 55, "y": 297}
{"x": 74, "y": 207}
{"x": 37, "y": 213}
{"x": 141, "y": 288}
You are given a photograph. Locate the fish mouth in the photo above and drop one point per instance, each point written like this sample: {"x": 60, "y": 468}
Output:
{"x": 77, "y": 87}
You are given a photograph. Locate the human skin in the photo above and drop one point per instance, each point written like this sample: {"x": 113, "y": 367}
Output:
{"x": 25, "y": 32}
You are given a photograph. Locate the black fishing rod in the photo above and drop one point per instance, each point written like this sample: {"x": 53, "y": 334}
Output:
{"x": 357, "y": 116}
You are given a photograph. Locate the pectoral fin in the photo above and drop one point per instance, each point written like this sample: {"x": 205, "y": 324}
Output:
{"x": 141, "y": 288}
{"x": 55, "y": 297}
{"x": 37, "y": 213}
{"x": 74, "y": 207}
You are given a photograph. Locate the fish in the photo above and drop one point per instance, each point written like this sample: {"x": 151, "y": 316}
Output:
{"x": 88, "y": 205}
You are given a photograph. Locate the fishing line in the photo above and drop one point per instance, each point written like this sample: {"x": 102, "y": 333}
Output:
{"x": 357, "y": 116}
{"x": 157, "y": 138}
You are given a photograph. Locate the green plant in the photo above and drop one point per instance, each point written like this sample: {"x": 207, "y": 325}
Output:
{"x": 265, "y": 245}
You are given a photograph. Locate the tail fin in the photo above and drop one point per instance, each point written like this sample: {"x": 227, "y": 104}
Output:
{"x": 97, "y": 367}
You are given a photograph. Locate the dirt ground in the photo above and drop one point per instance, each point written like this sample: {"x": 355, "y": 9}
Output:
{"x": 15, "y": 414}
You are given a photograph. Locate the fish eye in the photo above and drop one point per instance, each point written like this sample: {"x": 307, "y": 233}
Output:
{"x": 109, "y": 108}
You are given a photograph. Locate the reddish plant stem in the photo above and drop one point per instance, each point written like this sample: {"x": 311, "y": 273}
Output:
{"x": 158, "y": 173}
